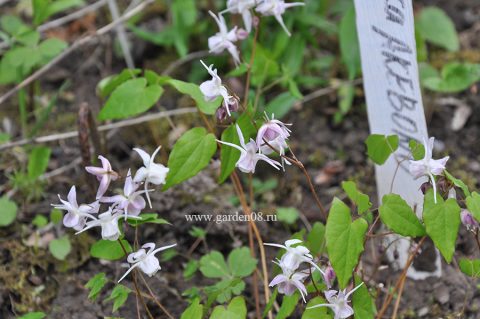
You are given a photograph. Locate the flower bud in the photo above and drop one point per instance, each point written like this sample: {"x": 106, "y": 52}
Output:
{"x": 468, "y": 220}
{"x": 242, "y": 34}
{"x": 425, "y": 187}
{"x": 329, "y": 276}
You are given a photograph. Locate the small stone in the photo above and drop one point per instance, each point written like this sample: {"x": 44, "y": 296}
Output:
{"x": 442, "y": 295}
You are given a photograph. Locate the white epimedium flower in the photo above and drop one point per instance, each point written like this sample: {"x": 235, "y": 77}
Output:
{"x": 151, "y": 172}
{"x": 289, "y": 281}
{"x": 249, "y": 154}
{"x": 295, "y": 255}
{"x": 104, "y": 174}
{"x": 108, "y": 221}
{"x": 76, "y": 214}
{"x": 213, "y": 88}
{"x": 428, "y": 166}
{"x": 131, "y": 201}
{"x": 242, "y": 7}
{"x": 145, "y": 260}
{"x": 276, "y": 8}
{"x": 224, "y": 39}
{"x": 338, "y": 302}
{"x": 273, "y": 134}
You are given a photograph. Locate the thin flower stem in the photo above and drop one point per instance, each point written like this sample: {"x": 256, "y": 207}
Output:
{"x": 403, "y": 274}
{"x": 399, "y": 298}
{"x": 252, "y": 250}
{"x": 247, "y": 211}
{"x": 313, "y": 282}
{"x": 136, "y": 284}
{"x": 155, "y": 299}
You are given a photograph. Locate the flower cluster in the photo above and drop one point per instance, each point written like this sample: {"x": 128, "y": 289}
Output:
{"x": 292, "y": 279}
{"x": 225, "y": 39}
{"x": 129, "y": 204}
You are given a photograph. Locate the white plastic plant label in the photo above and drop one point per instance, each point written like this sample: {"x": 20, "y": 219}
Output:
{"x": 390, "y": 76}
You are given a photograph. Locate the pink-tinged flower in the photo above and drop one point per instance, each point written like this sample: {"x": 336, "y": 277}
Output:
{"x": 275, "y": 133}
{"x": 329, "y": 276}
{"x": 468, "y": 220}
{"x": 428, "y": 166}
{"x": 224, "y": 111}
{"x": 146, "y": 260}
{"x": 213, "y": 88}
{"x": 131, "y": 201}
{"x": 338, "y": 302}
{"x": 289, "y": 281}
{"x": 151, "y": 172}
{"x": 249, "y": 154}
{"x": 242, "y": 7}
{"x": 276, "y": 8}
{"x": 76, "y": 215}
{"x": 295, "y": 255}
{"x": 108, "y": 221}
{"x": 224, "y": 39}
{"x": 104, "y": 174}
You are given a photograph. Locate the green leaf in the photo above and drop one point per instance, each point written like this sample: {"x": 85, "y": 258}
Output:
{"x": 400, "y": 217}
{"x": 417, "y": 150}
{"x": 437, "y": 28}
{"x": 40, "y": 221}
{"x": 190, "y": 269}
{"x": 241, "y": 262}
{"x": 119, "y": 295}
{"x": 363, "y": 304}
{"x": 224, "y": 289}
{"x": 264, "y": 67}
{"x": 316, "y": 238}
{"x": 130, "y": 98}
{"x": 95, "y": 285}
{"x": 289, "y": 303}
{"x": 108, "y": 84}
{"x": 213, "y": 265}
{"x": 13, "y": 25}
{"x": 344, "y": 240}
{"x": 8, "y": 212}
{"x": 458, "y": 183}
{"x": 38, "y": 161}
{"x": 317, "y": 313}
{"x": 288, "y": 215}
{"x": 56, "y": 216}
{"x": 455, "y": 77}
{"x": 470, "y": 267}
{"x": 236, "y": 309}
{"x": 349, "y": 47}
{"x": 50, "y": 48}
{"x": 380, "y": 147}
{"x": 194, "y": 311}
{"x": 147, "y": 218}
{"x": 442, "y": 221}
{"x": 109, "y": 250}
{"x": 194, "y": 92}
{"x": 190, "y": 154}
{"x": 473, "y": 205}
{"x": 360, "y": 199}
{"x": 270, "y": 303}
{"x": 33, "y": 315}
{"x": 43, "y": 9}
{"x": 229, "y": 155}
{"x": 281, "y": 104}
{"x": 60, "y": 247}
